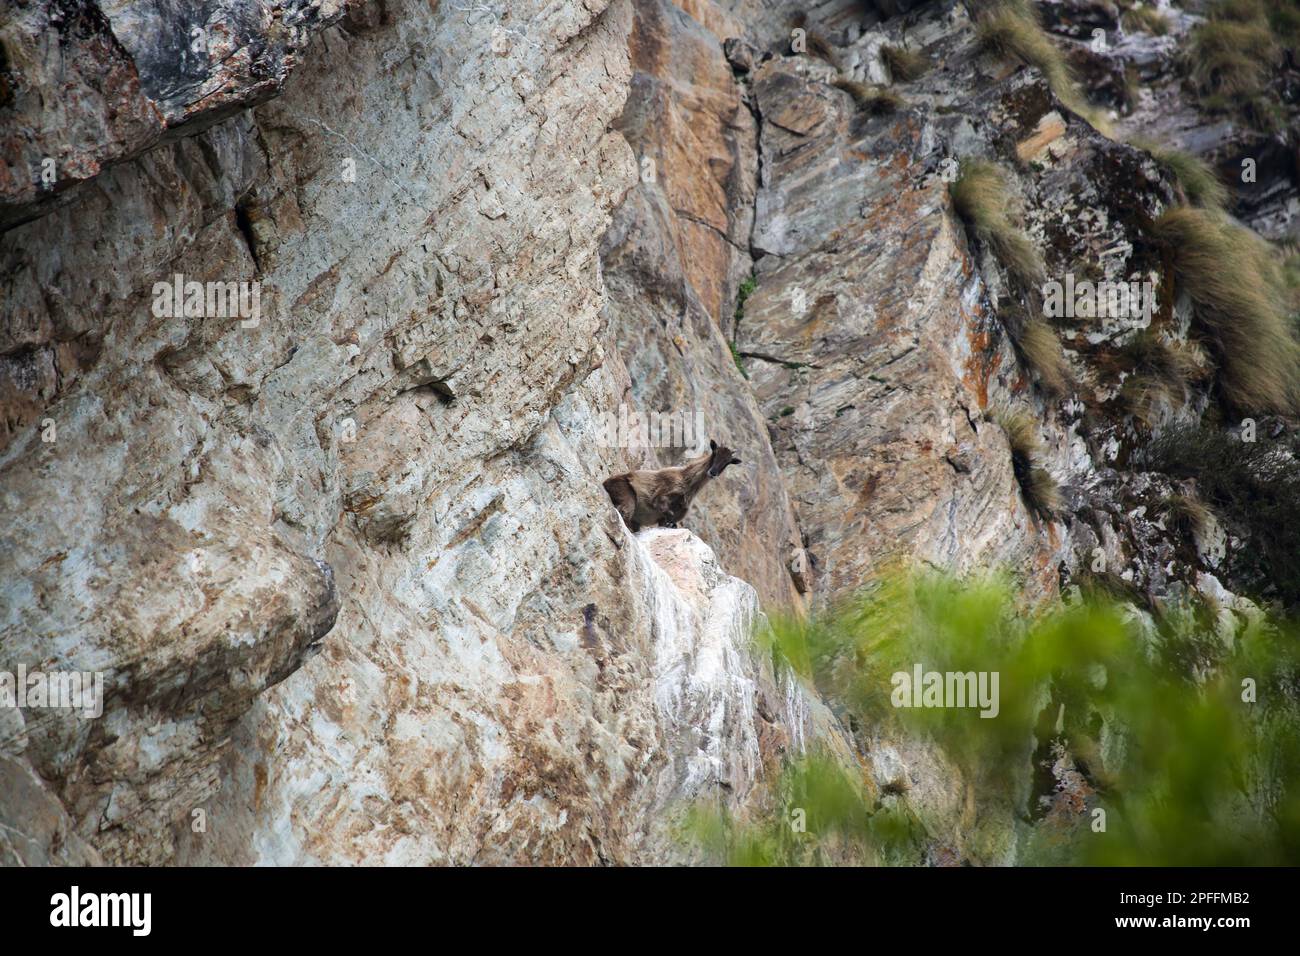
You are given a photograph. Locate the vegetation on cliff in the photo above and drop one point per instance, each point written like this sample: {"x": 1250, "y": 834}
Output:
{"x": 1126, "y": 739}
{"x": 1239, "y": 297}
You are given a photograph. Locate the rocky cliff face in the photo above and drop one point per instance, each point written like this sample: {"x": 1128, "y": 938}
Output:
{"x": 345, "y": 560}
{"x": 403, "y": 446}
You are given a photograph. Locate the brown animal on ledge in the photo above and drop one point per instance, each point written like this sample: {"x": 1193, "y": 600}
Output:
{"x": 663, "y": 496}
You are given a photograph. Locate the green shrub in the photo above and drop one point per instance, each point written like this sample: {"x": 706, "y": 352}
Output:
{"x": 739, "y": 360}
{"x": 743, "y": 292}
{"x": 1187, "y": 771}
{"x": 814, "y": 794}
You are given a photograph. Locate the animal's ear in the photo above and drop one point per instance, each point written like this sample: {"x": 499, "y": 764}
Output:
{"x": 735, "y": 461}
{"x": 713, "y": 446}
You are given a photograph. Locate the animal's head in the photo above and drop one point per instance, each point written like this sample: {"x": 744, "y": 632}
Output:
{"x": 720, "y": 457}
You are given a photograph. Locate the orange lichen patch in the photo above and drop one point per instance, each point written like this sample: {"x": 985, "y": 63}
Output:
{"x": 259, "y": 784}
{"x": 1043, "y": 565}
{"x": 716, "y": 20}
{"x": 705, "y": 256}
{"x": 967, "y": 264}
{"x": 901, "y": 162}
{"x": 983, "y": 361}
{"x": 1049, "y": 129}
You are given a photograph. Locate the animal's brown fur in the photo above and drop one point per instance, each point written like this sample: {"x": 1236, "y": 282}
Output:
{"x": 662, "y": 496}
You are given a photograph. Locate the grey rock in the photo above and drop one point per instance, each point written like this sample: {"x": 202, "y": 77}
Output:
{"x": 129, "y": 75}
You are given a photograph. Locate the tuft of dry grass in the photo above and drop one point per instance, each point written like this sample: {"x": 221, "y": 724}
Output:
{"x": 1233, "y": 55}
{"x": 1040, "y": 350}
{"x": 1132, "y": 88}
{"x": 1187, "y": 514}
{"x": 904, "y": 65}
{"x": 1040, "y": 490}
{"x": 1024, "y": 8}
{"x": 1162, "y": 372}
{"x": 1012, "y": 31}
{"x": 982, "y": 197}
{"x": 1197, "y": 178}
{"x": 817, "y": 44}
{"x": 1239, "y": 11}
{"x": 1284, "y": 18}
{"x": 1144, "y": 399}
{"x": 1289, "y": 280}
{"x": 1146, "y": 19}
{"x": 1237, "y": 289}
{"x": 1232, "y": 59}
{"x": 1107, "y": 586}
{"x": 873, "y": 99}
{"x": 1175, "y": 363}
{"x": 1172, "y": 364}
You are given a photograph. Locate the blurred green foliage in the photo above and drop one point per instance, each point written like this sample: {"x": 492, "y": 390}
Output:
{"x": 1189, "y": 766}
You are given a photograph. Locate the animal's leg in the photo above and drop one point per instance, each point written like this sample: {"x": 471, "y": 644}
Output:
{"x": 662, "y": 505}
{"x": 671, "y": 508}
{"x": 679, "y": 510}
